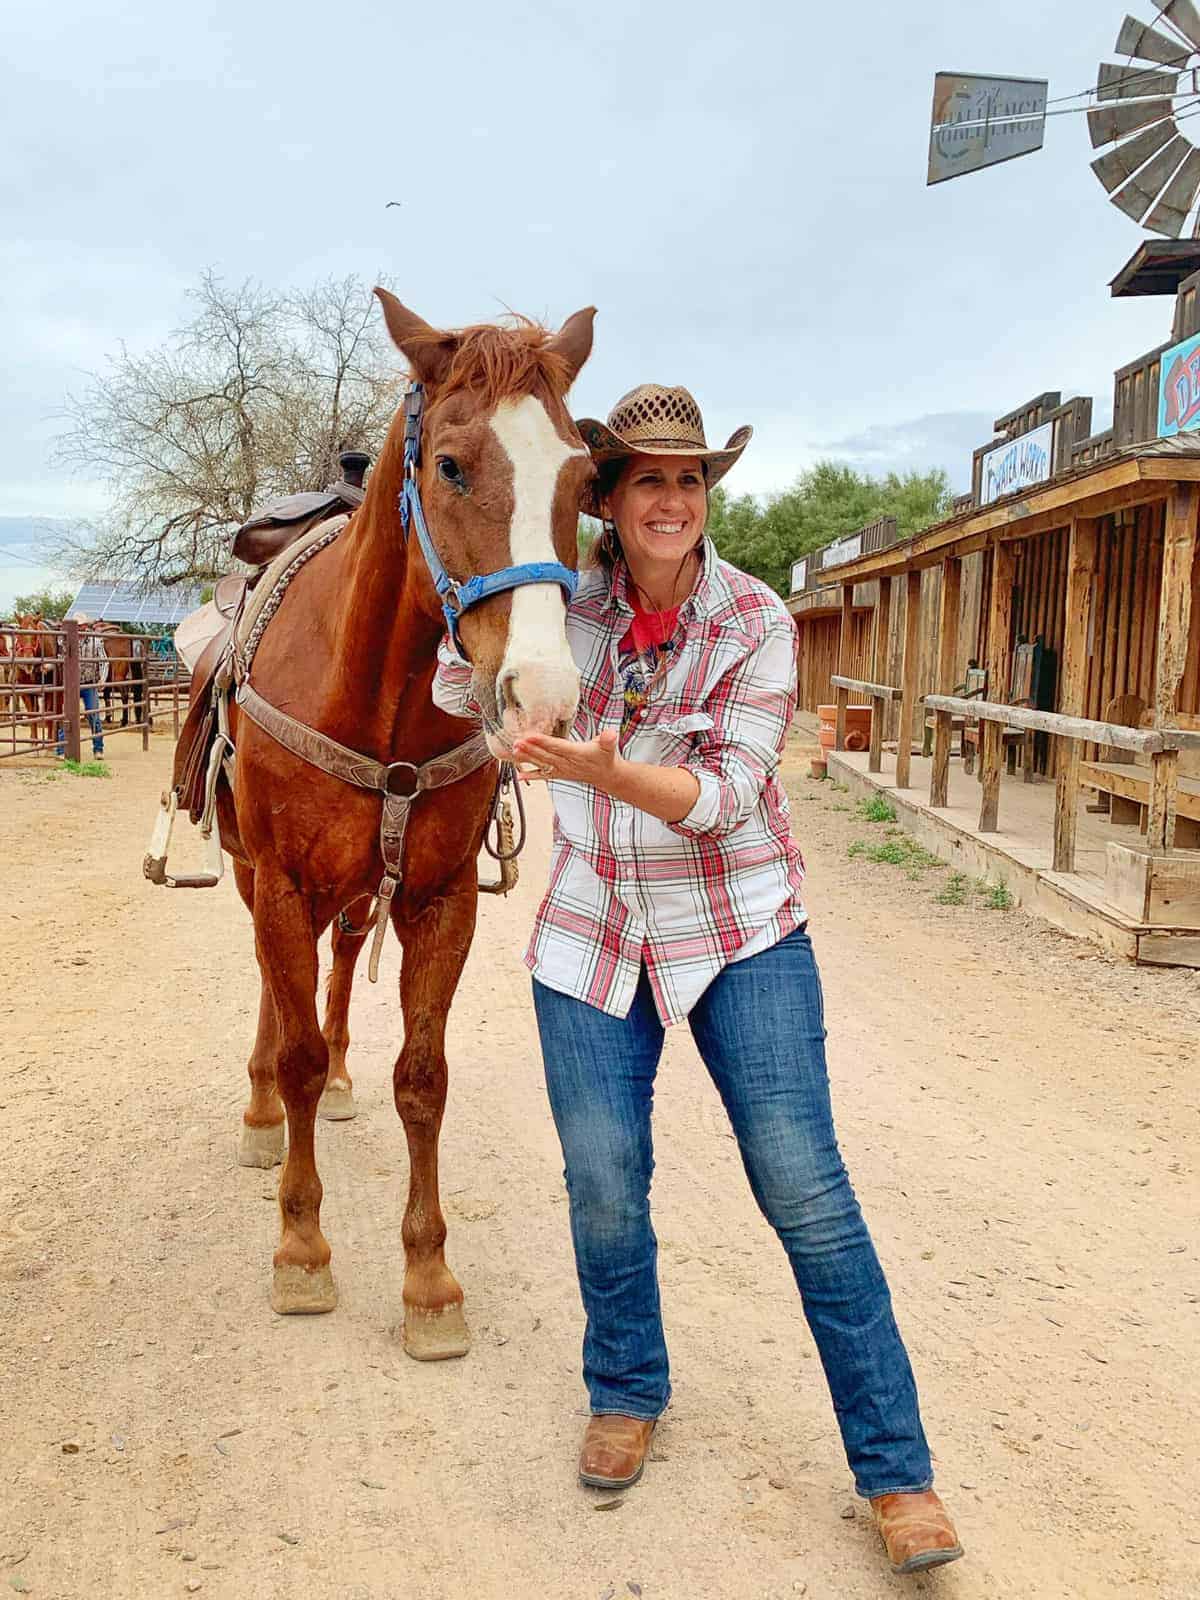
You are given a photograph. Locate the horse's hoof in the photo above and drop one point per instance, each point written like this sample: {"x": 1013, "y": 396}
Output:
{"x": 436, "y": 1335}
{"x": 337, "y": 1103}
{"x": 261, "y": 1147}
{"x": 297, "y": 1292}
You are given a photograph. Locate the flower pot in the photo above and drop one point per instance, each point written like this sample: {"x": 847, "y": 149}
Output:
{"x": 858, "y": 727}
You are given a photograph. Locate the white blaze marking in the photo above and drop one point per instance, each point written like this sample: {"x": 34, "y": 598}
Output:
{"x": 537, "y": 643}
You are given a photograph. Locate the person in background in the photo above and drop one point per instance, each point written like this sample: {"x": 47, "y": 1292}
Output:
{"x": 93, "y": 675}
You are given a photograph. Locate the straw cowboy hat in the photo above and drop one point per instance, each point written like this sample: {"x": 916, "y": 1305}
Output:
{"x": 656, "y": 421}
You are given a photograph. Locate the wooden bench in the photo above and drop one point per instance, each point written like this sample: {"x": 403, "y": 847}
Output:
{"x": 1124, "y": 785}
{"x": 974, "y": 687}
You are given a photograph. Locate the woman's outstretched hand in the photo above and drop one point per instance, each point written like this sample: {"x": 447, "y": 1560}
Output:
{"x": 595, "y": 761}
{"x": 668, "y": 793}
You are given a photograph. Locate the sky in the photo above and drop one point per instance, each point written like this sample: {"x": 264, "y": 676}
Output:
{"x": 740, "y": 190}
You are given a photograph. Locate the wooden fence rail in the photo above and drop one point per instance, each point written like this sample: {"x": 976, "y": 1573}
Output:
{"x": 1162, "y": 745}
{"x": 881, "y": 695}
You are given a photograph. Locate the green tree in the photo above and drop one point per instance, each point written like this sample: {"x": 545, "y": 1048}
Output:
{"x": 51, "y": 603}
{"x": 826, "y": 502}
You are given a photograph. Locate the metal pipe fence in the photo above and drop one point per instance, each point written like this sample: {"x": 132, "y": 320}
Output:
{"x": 48, "y": 706}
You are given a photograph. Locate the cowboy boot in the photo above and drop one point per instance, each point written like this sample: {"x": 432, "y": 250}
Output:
{"x": 614, "y": 1451}
{"x": 916, "y": 1531}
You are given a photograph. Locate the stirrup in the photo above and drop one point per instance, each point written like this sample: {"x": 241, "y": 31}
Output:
{"x": 154, "y": 864}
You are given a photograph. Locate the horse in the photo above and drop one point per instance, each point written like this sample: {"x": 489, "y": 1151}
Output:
{"x": 126, "y": 670}
{"x": 36, "y": 672}
{"x": 490, "y": 470}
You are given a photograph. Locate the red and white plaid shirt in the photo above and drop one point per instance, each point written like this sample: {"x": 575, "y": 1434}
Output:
{"x": 684, "y": 898}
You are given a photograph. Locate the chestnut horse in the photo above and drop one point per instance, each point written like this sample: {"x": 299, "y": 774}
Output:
{"x": 37, "y": 674}
{"x": 351, "y": 652}
{"x": 126, "y": 670}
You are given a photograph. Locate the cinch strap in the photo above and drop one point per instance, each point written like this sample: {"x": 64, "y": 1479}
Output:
{"x": 458, "y": 598}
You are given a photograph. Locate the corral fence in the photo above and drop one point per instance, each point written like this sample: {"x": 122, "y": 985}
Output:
{"x": 43, "y": 680}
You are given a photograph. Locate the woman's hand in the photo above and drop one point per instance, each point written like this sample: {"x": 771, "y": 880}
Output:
{"x": 668, "y": 793}
{"x": 595, "y": 761}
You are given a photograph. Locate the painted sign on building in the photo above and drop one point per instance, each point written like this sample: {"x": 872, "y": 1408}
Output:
{"x": 979, "y": 121}
{"x": 1179, "y": 389}
{"x": 1017, "y": 464}
{"x": 848, "y": 549}
{"x": 799, "y": 575}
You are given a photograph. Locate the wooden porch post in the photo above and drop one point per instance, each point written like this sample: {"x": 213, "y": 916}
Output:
{"x": 1174, "y": 620}
{"x": 883, "y": 625}
{"x": 843, "y": 695}
{"x": 1081, "y": 567}
{"x": 939, "y": 782}
{"x": 908, "y": 677}
{"x": 1004, "y": 566}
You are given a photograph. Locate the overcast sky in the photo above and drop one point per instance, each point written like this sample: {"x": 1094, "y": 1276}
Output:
{"x": 738, "y": 187}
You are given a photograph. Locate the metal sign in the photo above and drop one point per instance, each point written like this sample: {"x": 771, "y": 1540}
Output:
{"x": 1179, "y": 389}
{"x": 848, "y": 549}
{"x": 1017, "y": 464}
{"x": 978, "y": 122}
{"x": 799, "y": 575}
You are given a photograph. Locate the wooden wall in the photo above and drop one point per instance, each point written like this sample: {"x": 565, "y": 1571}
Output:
{"x": 1124, "y": 630}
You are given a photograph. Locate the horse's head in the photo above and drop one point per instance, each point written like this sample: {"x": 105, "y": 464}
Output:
{"x": 27, "y": 640}
{"x": 502, "y": 473}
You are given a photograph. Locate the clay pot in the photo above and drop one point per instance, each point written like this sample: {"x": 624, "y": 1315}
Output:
{"x": 858, "y": 727}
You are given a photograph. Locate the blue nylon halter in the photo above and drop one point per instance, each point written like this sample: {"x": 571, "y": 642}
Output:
{"x": 458, "y": 598}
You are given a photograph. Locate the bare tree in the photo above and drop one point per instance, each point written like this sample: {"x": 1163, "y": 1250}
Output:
{"x": 253, "y": 398}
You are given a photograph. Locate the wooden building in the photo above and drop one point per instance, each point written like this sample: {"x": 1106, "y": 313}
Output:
{"x": 1054, "y": 629}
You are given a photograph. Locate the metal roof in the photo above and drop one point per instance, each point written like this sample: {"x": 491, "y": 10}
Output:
{"x": 125, "y": 602}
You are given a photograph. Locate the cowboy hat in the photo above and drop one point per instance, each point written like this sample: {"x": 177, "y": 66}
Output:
{"x": 653, "y": 420}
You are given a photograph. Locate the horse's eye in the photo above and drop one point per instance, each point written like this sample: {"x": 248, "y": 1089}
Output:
{"x": 450, "y": 470}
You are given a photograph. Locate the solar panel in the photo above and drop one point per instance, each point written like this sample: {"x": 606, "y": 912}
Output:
{"x": 125, "y": 602}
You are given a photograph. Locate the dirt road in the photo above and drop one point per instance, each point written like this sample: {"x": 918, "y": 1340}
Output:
{"x": 1019, "y": 1116}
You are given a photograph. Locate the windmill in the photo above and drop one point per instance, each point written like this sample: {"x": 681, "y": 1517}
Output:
{"x": 1152, "y": 170}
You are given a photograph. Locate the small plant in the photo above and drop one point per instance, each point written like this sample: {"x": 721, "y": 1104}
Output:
{"x": 954, "y": 891}
{"x": 996, "y": 896}
{"x": 839, "y": 788}
{"x": 86, "y": 769}
{"x": 899, "y": 850}
{"x": 877, "y": 809}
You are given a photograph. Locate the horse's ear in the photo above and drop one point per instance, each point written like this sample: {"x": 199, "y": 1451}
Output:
{"x": 573, "y": 341}
{"x": 428, "y": 351}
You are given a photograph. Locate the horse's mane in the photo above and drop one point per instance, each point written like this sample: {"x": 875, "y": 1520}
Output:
{"x": 503, "y": 362}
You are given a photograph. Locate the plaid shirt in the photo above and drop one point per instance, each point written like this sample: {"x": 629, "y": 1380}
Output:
{"x": 684, "y": 898}
{"x": 93, "y": 659}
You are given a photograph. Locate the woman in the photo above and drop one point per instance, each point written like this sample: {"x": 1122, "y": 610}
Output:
{"x": 675, "y": 892}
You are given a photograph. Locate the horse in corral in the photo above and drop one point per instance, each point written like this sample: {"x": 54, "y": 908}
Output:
{"x": 126, "y": 671}
{"x": 483, "y": 463}
{"x": 37, "y": 674}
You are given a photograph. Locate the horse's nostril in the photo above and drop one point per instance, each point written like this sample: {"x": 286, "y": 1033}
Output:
{"x": 506, "y": 690}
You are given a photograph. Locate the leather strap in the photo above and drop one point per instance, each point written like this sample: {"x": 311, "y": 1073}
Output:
{"x": 399, "y": 782}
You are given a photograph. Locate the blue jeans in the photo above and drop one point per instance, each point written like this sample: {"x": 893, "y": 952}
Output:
{"x": 89, "y": 693}
{"x": 760, "y": 1029}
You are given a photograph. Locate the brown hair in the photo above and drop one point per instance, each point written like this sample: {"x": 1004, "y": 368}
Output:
{"x": 500, "y": 363}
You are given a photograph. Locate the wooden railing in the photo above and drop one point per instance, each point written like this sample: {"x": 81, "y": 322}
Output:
{"x": 1162, "y": 745}
{"x": 881, "y": 695}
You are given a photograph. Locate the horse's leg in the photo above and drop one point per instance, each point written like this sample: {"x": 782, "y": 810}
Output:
{"x": 124, "y": 703}
{"x": 337, "y": 1102}
{"x": 261, "y": 1142}
{"x": 435, "y": 948}
{"x": 287, "y": 953}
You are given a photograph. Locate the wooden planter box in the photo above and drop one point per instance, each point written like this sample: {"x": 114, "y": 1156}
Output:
{"x": 1156, "y": 890}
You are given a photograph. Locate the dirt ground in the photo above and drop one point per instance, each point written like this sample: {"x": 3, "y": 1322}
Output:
{"x": 1018, "y": 1113}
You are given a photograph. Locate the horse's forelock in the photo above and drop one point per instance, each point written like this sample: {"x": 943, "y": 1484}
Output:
{"x": 494, "y": 363}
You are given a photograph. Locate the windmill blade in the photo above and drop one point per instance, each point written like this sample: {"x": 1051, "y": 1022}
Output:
{"x": 1183, "y": 15}
{"x": 1171, "y": 212}
{"x": 1140, "y": 193}
{"x": 1147, "y": 44}
{"x": 1121, "y": 163}
{"x": 1132, "y": 83}
{"x": 1108, "y": 123}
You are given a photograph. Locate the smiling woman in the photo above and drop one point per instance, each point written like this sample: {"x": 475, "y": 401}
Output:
{"x": 675, "y": 892}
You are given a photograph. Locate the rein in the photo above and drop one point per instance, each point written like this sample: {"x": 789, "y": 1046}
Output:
{"x": 458, "y": 598}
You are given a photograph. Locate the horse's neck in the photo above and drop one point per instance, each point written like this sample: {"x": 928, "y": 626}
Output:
{"x": 385, "y": 634}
